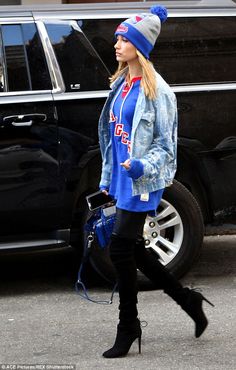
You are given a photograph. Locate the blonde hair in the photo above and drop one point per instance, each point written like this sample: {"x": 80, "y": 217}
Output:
{"x": 148, "y": 81}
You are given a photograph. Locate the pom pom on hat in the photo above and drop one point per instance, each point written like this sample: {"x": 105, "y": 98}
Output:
{"x": 160, "y": 11}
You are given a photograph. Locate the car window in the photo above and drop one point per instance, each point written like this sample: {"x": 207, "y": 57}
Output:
{"x": 39, "y": 73}
{"x": 14, "y": 53}
{"x": 197, "y": 50}
{"x": 100, "y": 33}
{"x": 81, "y": 68}
{"x": 22, "y": 55}
{"x": 2, "y": 80}
{"x": 189, "y": 50}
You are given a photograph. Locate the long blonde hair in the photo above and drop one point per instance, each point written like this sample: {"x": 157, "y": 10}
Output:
{"x": 148, "y": 81}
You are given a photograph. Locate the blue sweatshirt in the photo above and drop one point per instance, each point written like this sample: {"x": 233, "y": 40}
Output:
{"x": 121, "y": 117}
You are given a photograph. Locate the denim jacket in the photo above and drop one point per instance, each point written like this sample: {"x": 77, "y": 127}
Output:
{"x": 153, "y": 138}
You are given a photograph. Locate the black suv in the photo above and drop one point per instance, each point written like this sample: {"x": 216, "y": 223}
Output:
{"x": 54, "y": 69}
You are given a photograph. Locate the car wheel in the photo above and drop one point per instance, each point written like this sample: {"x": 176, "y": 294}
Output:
{"x": 174, "y": 236}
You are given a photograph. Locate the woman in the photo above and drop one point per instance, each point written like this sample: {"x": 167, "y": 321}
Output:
{"x": 138, "y": 138}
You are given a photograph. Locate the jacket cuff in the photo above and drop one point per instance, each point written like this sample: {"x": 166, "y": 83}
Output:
{"x": 136, "y": 169}
{"x": 103, "y": 187}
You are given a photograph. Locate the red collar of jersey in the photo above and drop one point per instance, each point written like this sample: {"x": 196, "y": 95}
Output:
{"x": 127, "y": 85}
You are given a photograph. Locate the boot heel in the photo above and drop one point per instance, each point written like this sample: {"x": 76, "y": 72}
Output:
{"x": 139, "y": 344}
{"x": 205, "y": 299}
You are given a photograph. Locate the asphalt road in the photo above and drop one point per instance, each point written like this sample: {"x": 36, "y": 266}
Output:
{"x": 44, "y": 322}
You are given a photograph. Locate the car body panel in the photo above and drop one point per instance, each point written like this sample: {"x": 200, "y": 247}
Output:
{"x": 47, "y": 167}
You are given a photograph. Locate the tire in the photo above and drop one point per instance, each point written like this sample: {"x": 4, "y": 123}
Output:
{"x": 175, "y": 236}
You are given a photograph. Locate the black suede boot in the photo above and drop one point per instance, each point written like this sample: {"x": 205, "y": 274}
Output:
{"x": 128, "y": 329}
{"x": 189, "y": 299}
{"x": 125, "y": 336}
{"x": 191, "y": 303}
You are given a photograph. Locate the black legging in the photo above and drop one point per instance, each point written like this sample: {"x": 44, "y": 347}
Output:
{"x": 129, "y": 225}
{"x": 128, "y": 252}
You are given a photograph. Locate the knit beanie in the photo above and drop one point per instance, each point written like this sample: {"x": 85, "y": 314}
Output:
{"x": 142, "y": 30}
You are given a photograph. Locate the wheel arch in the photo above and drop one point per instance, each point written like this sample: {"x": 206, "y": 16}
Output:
{"x": 191, "y": 172}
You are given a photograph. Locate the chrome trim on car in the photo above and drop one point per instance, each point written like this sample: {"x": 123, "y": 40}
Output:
{"x": 16, "y": 20}
{"x": 56, "y": 239}
{"x": 82, "y": 95}
{"x": 176, "y": 89}
{"x": 54, "y": 69}
{"x": 202, "y": 88}
{"x": 33, "y": 244}
{"x": 8, "y": 98}
{"x": 199, "y": 13}
{"x": 121, "y": 14}
{"x": 23, "y": 97}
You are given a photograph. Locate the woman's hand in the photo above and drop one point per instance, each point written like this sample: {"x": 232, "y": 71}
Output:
{"x": 126, "y": 164}
{"x": 134, "y": 168}
{"x": 104, "y": 189}
{"x": 105, "y": 192}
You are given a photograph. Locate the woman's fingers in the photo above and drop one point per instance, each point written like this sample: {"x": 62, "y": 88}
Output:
{"x": 105, "y": 191}
{"x": 126, "y": 164}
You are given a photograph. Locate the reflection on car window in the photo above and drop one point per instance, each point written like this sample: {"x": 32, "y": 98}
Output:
{"x": 15, "y": 58}
{"x": 81, "y": 67}
{"x": 100, "y": 33}
{"x": 39, "y": 74}
{"x": 2, "y": 84}
{"x": 188, "y": 50}
{"x": 23, "y": 57}
{"x": 197, "y": 50}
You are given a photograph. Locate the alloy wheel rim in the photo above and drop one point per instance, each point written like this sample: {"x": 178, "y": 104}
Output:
{"x": 164, "y": 233}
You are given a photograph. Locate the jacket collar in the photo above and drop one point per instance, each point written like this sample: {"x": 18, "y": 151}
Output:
{"x": 117, "y": 82}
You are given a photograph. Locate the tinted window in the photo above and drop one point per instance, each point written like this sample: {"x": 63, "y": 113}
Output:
{"x": 81, "y": 67}
{"x": 25, "y": 67}
{"x": 100, "y": 33}
{"x": 15, "y": 58}
{"x": 189, "y": 50}
{"x": 39, "y": 74}
{"x": 2, "y": 81}
{"x": 197, "y": 50}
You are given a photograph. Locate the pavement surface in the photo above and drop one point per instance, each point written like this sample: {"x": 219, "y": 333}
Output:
{"x": 45, "y": 324}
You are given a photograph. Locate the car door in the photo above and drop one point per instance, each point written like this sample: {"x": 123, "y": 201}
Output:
{"x": 29, "y": 169}
{"x": 86, "y": 80}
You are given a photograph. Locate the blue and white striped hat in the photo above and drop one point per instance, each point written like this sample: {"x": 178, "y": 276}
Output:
{"x": 142, "y": 30}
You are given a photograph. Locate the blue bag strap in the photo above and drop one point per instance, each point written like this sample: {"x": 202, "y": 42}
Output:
{"x": 79, "y": 285}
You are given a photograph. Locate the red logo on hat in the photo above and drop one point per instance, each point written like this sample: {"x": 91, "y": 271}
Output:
{"x": 138, "y": 19}
{"x": 122, "y": 28}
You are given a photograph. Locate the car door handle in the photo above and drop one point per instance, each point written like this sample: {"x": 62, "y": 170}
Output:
{"x": 24, "y": 119}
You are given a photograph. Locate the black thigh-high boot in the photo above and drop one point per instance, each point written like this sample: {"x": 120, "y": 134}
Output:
{"x": 189, "y": 299}
{"x": 128, "y": 329}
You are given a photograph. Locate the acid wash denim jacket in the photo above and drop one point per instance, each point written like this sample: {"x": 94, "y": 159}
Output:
{"x": 153, "y": 138}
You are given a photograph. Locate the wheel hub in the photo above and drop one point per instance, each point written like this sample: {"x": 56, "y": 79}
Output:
{"x": 164, "y": 233}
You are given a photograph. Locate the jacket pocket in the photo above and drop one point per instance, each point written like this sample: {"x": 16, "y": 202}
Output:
{"x": 148, "y": 118}
{"x": 146, "y": 129}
